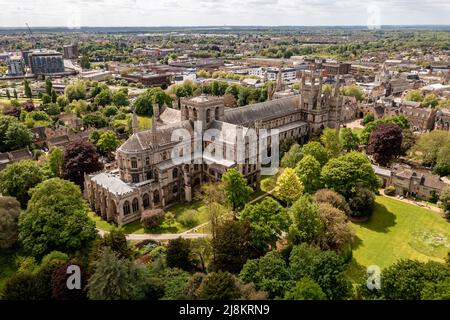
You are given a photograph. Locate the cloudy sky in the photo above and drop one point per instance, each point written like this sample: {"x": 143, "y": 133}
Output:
{"x": 75, "y": 13}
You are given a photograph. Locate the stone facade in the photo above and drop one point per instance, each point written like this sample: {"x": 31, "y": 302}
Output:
{"x": 150, "y": 175}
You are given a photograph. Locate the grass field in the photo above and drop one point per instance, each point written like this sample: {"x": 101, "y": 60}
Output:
{"x": 396, "y": 231}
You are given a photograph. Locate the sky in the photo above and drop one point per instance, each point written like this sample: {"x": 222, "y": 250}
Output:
{"x": 77, "y": 13}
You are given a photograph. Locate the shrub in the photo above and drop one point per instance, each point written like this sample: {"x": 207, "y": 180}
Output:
{"x": 362, "y": 203}
{"x": 188, "y": 219}
{"x": 152, "y": 218}
{"x": 389, "y": 191}
{"x": 333, "y": 198}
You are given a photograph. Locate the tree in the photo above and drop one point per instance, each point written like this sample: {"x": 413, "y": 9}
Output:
{"x": 120, "y": 98}
{"x": 8, "y": 94}
{"x": 219, "y": 286}
{"x": 345, "y": 173}
{"x": 62, "y": 102}
{"x": 48, "y": 86}
{"x": 292, "y": 157}
{"x": 76, "y": 91}
{"x": 289, "y": 187}
{"x": 237, "y": 191}
{"x": 21, "y": 286}
{"x": 27, "y": 89}
{"x": 116, "y": 279}
{"x": 96, "y": 120}
{"x": 406, "y": 279}
{"x": 84, "y": 62}
{"x": 330, "y": 139}
{"x": 104, "y": 98}
{"x": 350, "y": 140}
{"x": 368, "y": 118}
{"x": 362, "y": 203}
{"x": 316, "y": 150}
{"x": 56, "y": 161}
{"x": 269, "y": 274}
{"x": 114, "y": 240}
{"x": 353, "y": 91}
{"x": 428, "y": 148}
{"x": 80, "y": 158}
{"x": 232, "y": 246}
{"x": 54, "y": 96}
{"x": 334, "y": 199}
{"x": 107, "y": 142}
{"x": 442, "y": 166}
{"x": 308, "y": 170}
{"x": 385, "y": 143}
{"x": 13, "y": 135}
{"x": 306, "y": 224}
{"x": 143, "y": 105}
{"x": 445, "y": 202}
{"x": 267, "y": 219}
{"x": 9, "y": 221}
{"x": 178, "y": 254}
{"x": 56, "y": 219}
{"x": 430, "y": 100}
{"x": 414, "y": 95}
{"x": 174, "y": 281}
{"x": 18, "y": 178}
{"x": 325, "y": 268}
{"x": 60, "y": 291}
{"x": 305, "y": 289}
{"x": 337, "y": 230}
{"x": 436, "y": 291}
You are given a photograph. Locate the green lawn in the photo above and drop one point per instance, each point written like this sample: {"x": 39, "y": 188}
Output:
{"x": 145, "y": 123}
{"x": 396, "y": 231}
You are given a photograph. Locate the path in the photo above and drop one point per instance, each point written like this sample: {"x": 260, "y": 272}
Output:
{"x": 416, "y": 203}
{"x": 159, "y": 237}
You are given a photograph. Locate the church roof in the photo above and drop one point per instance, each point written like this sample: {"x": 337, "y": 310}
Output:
{"x": 143, "y": 140}
{"x": 262, "y": 111}
{"x": 112, "y": 182}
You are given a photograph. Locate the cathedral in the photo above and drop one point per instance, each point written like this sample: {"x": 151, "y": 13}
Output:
{"x": 149, "y": 172}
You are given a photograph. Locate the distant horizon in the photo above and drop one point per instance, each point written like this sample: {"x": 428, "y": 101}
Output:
{"x": 184, "y": 13}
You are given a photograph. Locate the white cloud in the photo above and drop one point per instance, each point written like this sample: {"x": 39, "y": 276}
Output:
{"x": 219, "y": 12}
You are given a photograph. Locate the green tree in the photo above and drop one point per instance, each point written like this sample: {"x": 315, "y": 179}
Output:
{"x": 345, "y": 173}
{"x": 237, "y": 191}
{"x": 84, "y": 62}
{"x": 305, "y": 289}
{"x": 332, "y": 198}
{"x": 428, "y": 147}
{"x": 414, "y": 95}
{"x": 267, "y": 219}
{"x": 56, "y": 219}
{"x": 143, "y": 105}
{"x": 174, "y": 281}
{"x": 27, "y": 89}
{"x": 120, "y": 98}
{"x": 13, "y": 135}
{"x": 445, "y": 201}
{"x": 107, "y": 142}
{"x": 76, "y": 91}
{"x": 219, "y": 286}
{"x": 62, "y": 102}
{"x": 306, "y": 224}
{"x": 353, "y": 91}
{"x": 437, "y": 291}
{"x": 269, "y": 274}
{"x": 316, "y": 150}
{"x": 330, "y": 139}
{"x": 289, "y": 187}
{"x": 350, "y": 140}
{"x": 362, "y": 203}
{"x": 18, "y": 178}
{"x": 9, "y": 222}
{"x": 430, "y": 100}
{"x": 292, "y": 157}
{"x": 116, "y": 279}
{"x": 56, "y": 161}
{"x": 178, "y": 254}
{"x": 104, "y": 98}
{"x": 338, "y": 232}
{"x": 232, "y": 246}
{"x": 368, "y": 119}
{"x": 48, "y": 86}
{"x": 308, "y": 170}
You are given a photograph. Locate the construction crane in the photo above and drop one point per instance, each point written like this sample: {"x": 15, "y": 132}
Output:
{"x": 33, "y": 39}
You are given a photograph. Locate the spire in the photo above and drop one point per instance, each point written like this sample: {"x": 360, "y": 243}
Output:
{"x": 135, "y": 123}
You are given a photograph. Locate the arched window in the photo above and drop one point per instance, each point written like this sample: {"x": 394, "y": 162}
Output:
{"x": 133, "y": 163}
{"x": 146, "y": 201}
{"x": 126, "y": 208}
{"x": 156, "y": 197}
{"x": 135, "y": 205}
{"x": 147, "y": 161}
{"x": 195, "y": 114}
{"x": 208, "y": 115}
{"x": 175, "y": 173}
{"x": 216, "y": 113}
